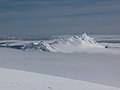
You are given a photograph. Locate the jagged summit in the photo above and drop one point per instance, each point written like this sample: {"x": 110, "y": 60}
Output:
{"x": 85, "y": 37}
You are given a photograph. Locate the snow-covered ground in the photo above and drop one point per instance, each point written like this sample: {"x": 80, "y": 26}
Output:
{"x": 21, "y": 80}
{"x": 102, "y": 68}
{"x": 77, "y": 58}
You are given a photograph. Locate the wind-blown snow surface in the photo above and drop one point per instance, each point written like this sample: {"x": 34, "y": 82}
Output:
{"x": 20, "y": 80}
{"x": 83, "y": 59}
{"x": 101, "y": 68}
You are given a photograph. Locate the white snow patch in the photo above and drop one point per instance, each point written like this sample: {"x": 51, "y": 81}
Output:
{"x": 21, "y": 80}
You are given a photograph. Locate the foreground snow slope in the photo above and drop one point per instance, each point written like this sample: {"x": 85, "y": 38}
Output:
{"x": 102, "y": 68}
{"x": 20, "y": 80}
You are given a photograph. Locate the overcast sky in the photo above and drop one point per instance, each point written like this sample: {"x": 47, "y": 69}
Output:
{"x": 51, "y": 17}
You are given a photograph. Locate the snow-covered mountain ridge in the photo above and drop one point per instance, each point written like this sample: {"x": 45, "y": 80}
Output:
{"x": 71, "y": 44}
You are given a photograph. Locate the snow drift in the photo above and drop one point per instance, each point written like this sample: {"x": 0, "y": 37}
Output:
{"x": 71, "y": 44}
{"x": 21, "y": 80}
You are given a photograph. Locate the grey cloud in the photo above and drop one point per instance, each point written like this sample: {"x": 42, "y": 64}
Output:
{"x": 59, "y": 16}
